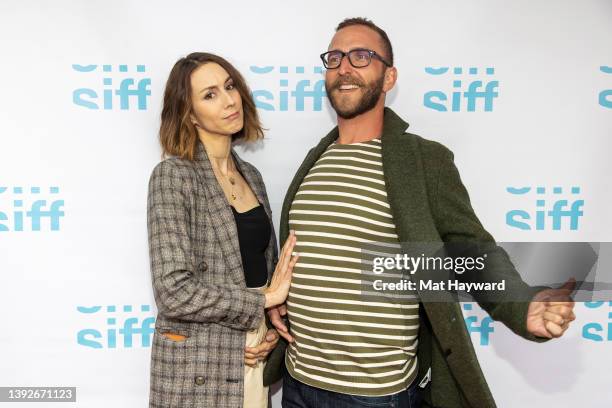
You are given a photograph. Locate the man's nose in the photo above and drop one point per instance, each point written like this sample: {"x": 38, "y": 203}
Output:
{"x": 345, "y": 66}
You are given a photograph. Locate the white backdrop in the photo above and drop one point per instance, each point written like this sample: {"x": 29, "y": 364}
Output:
{"x": 82, "y": 85}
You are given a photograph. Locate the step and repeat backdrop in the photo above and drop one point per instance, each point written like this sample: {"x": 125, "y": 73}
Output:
{"x": 521, "y": 92}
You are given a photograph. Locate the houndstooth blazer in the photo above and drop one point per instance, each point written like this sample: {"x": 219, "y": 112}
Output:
{"x": 199, "y": 285}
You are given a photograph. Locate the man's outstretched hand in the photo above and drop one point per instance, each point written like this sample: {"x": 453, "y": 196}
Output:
{"x": 551, "y": 311}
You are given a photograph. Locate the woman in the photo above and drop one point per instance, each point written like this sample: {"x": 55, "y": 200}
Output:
{"x": 212, "y": 245}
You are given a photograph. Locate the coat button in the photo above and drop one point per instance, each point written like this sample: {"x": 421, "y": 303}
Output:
{"x": 203, "y": 266}
{"x": 447, "y": 352}
{"x": 199, "y": 380}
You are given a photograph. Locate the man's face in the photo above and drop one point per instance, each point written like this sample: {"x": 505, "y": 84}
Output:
{"x": 353, "y": 91}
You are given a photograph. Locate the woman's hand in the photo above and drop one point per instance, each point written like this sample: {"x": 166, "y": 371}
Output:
{"x": 253, "y": 355}
{"x": 278, "y": 290}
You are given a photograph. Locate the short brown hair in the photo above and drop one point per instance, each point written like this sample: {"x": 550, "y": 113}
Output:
{"x": 386, "y": 43}
{"x": 177, "y": 134}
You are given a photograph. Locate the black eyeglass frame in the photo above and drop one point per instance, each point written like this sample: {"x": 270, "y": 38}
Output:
{"x": 347, "y": 54}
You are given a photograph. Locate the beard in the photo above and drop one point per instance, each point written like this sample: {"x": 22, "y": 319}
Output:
{"x": 370, "y": 97}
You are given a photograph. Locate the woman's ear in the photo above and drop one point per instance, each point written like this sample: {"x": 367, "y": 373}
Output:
{"x": 193, "y": 120}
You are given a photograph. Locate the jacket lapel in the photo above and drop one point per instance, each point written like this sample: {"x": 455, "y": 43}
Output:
{"x": 409, "y": 202}
{"x": 253, "y": 181}
{"x": 257, "y": 185}
{"x": 221, "y": 216}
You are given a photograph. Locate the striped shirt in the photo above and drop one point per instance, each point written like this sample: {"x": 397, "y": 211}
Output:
{"x": 345, "y": 342}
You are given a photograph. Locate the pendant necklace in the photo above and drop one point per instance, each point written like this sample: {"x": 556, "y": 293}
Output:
{"x": 232, "y": 182}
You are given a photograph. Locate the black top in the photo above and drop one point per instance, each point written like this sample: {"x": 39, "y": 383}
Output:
{"x": 254, "y": 237}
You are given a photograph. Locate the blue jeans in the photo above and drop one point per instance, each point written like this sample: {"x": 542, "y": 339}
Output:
{"x": 296, "y": 394}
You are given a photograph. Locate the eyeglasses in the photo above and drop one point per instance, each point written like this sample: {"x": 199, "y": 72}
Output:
{"x": 359, "y": 58}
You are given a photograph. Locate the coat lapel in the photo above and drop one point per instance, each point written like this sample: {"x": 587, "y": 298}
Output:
{"x": 221, "y": 216}
{"x": 253, "y": 181}
{"x": 406, "y": 190}
{"x": 257, "y": 185}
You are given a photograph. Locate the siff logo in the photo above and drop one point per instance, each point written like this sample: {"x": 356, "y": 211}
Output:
{"x": 476, "y": 89}
{"x": 605, "y": 97}
{"x": 129, "y": 88}
{"x": 106, "y": 333}
{"x": 287, "y": 97}
{"x": 561, "y": 208}
{"x": 15, "y": 218}
{"x": 595, "y": 331}
{"x": 485, "y": 327}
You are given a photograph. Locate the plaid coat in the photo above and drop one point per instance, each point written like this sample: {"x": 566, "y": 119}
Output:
{"x": 199, "y": 285}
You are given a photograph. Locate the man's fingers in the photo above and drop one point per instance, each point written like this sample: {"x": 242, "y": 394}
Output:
{"x": 276, "y": 320}
{"x": 555, "y": 318}
{"x": 285, "y": 335}
{"x": 282, "y": 309}
{"x": 563, "y": 310}
{"x": 554, "y": 329}
{"x": 251, "y": 362}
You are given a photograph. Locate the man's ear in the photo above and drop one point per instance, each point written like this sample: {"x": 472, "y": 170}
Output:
{"x": 390, "y": 79}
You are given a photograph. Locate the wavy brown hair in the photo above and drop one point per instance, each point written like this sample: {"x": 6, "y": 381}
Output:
{"x": 177, "y": 134}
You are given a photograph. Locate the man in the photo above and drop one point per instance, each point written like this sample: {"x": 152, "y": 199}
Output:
{"x": 370, "y": 181}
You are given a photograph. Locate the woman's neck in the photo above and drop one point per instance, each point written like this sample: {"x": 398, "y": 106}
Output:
{"x": 218, "y": 148}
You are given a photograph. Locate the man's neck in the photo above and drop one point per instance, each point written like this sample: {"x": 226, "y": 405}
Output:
{"x": 362, "y": 128}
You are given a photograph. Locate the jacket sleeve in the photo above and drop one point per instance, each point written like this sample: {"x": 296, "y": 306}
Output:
{"x": 179, "y": 293}
{"x": 457, "y": 223}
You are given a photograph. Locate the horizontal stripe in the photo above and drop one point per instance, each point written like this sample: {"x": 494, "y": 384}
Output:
{"x": 354, "y": 333}
{"x": 385, "y": 373}
{"x": 343, "y": 204}
{"x": 355, "y": 248}
{"x": 331, "y": 235}
{"x": 350, "y": 312}
{"x": 339, "y": 193}
{"x": 344, "y": 226}
{"x": 352, "y": 344}
{"x": 339, "y": 177}
{"x": 344, "y": 166}
{"x": 356, "y": 302}
{"x": 356, "y": 151}
{"x": 341, "y": 215}
{"x": 353, "y": 323}
{"x": 329, "y": 157}
{"x": 351, "y": 383}
{"x": 336, "y": 352}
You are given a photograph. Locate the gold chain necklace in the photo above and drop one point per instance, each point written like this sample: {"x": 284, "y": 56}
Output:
{"x": 233, "y": 183}
{"x": 230, "y": 179}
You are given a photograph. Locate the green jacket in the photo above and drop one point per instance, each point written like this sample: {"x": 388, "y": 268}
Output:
{"x": 430, "y": 204}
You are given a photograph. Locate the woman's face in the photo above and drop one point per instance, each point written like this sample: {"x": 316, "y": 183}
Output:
{"x": 217, "y": 106}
